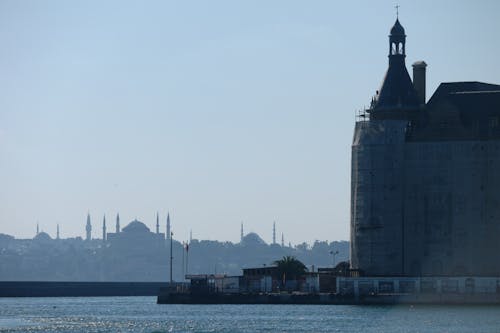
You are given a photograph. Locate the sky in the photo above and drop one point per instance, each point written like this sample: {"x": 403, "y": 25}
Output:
{"x": 219, "y": 112}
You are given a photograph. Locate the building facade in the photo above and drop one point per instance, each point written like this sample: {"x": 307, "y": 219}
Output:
{"x": 425, "y": 193}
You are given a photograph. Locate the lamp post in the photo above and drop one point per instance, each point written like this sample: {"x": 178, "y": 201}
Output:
{"x": 333, "y": 253}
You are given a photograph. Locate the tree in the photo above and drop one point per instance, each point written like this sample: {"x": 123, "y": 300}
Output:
{"x": 290, "y": 268}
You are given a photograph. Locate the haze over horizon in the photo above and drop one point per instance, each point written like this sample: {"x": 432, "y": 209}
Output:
{"x": 218, "y": 112}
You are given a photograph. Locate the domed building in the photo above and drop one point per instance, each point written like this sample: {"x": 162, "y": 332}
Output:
{"x": 136, "y": 235}
{"x": 42, "y": 237}
{"x": 252, "y": 239}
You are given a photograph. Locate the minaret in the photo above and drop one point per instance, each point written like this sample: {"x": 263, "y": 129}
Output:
{"x": 190, "y": 236}
{"x": 157, "y": 223}
{"x": 168, "y": 226}
{"x": 282, "y": 240}
{"x": 117, "y": 223}
{"x": 104, "y": 228}
{"x": 274, "y": 232}
{"x": 57, "y": 233}
{"x": 241, "y": 234}
{"x": 88, "y": 229}
{"x": 37, "y": 228}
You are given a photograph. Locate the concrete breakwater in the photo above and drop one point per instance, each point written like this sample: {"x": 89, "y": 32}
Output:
{"x": 166, "y": 297}
{"x": 76, "y": 289}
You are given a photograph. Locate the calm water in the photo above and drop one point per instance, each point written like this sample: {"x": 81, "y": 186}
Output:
{"x": 142, "y": 314}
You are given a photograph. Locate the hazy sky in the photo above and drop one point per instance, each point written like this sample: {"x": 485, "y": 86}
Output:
{"x": 217, "y": 111}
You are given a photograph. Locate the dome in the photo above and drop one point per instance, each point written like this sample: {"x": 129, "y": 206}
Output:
{"x": 136, "y": 227}
{"x": 397, "y": 29}
{"x": 42, "y": 236}
{"x": 253, "y": 239}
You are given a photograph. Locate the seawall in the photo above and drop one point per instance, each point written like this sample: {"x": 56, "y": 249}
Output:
{"x": 77, "y": 289}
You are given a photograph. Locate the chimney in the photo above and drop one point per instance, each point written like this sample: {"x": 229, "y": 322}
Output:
{"x": 419, "y": 80}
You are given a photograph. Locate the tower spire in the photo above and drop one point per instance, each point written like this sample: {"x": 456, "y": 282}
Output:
{"x": 241, "y": 232}
{"x": 157, "y": 223}
{"x": 104, "y": 228}
{"x": 88, "y": 228}
{"x": 57, "y": 233}
{"x": 397, "y": 98}
{"x": 397, "y": 11}
{"x": 37, "y": 228}
{"x": 117, "y": 223}
{"x": 282, "y": 240}
{"x": 190, "y": 236}
{"x": 168, "y": 226}
{"x": 274, "y": 232}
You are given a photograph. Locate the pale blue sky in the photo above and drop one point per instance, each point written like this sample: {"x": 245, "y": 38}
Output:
{"x": 217, "y": 111}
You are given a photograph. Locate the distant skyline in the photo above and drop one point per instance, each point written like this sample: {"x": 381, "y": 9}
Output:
{"x": 218, "y": 112}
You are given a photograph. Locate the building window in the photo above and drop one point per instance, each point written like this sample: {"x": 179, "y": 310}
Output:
{"x": 493, "y": 122}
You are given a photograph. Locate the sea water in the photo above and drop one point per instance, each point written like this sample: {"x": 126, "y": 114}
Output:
{"x": 142, "y": 314}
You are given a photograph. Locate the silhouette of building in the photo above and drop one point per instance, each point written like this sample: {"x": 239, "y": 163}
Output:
{"x": 136, "y": 235}
{"x": 241, "y": 233}
{"x": 169, "y": 231}
{"x": 104, "y": 229}
{"x": 88, "y": 229}
{"x": 425, "y": 187}
{"x": 117, "y": 227}
{"x": 274, "y": 232}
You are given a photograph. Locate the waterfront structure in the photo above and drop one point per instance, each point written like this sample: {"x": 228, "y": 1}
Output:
{"x": 425, "y": 187}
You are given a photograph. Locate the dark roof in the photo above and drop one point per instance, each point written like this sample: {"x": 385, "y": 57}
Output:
{"x": 397, "y": 29}
{"x": 42, "y": 236}
{"x": 447, "y": 88}
{"x": 460, "y": 111}
{"x": 136, "y": 226}
{"x": 252, "y": 239}
{"x": 397, "y": 91}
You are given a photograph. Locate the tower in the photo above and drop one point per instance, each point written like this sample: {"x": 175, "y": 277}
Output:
{"x": 274, "y": 232}
{"x": 37, "y": 228}
{"x": 397, "y": 98}
{"x": 282, "y": 240}
{"x": 104, "y": 228}
{"x": 377, "y": 164}
{"x": 157, "y": 223}
{"x": 168, "y": 226}
{"x": 117, "y": 223}
{"x": 88, "y": 229}
{"x": 241, "y": 233}
{"x": 190, "y": 236}
{"x": 57, "y": 232}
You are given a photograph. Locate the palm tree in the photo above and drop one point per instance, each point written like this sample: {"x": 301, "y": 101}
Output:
{"x": 290, "y": 268}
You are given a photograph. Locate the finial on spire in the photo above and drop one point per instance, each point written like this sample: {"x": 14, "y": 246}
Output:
{"x": 397, "y": 11}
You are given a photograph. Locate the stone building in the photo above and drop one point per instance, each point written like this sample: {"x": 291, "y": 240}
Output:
{"x": 425, "y": 186}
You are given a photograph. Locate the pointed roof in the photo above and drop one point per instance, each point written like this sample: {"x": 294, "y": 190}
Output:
{"x": 397, "y": 29}
{"x": 397, "y": 92}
